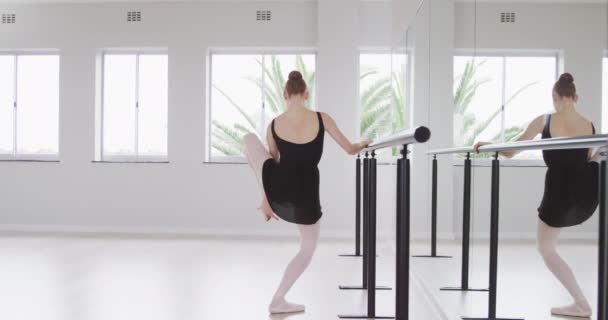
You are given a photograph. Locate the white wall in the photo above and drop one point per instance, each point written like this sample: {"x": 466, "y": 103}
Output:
{"x": 187, "y": 195}
{"x": 575, "y": 30}
{"x": 184, "y": 195}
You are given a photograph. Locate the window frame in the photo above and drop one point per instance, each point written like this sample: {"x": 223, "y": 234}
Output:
{"x": 33, "y": 157}
{"x": 383, "y": 158}
{"x": 136, "y": 157}
{"x": 604, "y": 111}
{"x": 506, "y": 53}
{"x": 209, "y": 159}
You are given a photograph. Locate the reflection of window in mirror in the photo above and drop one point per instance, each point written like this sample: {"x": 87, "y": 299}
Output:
{"x": 246, "y": 93}
{"x": 605, "y": 93}
{"x": 496, "y": 96}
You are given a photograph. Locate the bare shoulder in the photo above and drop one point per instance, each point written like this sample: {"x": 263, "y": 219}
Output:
{"x": 327, "y": 119}
{"x": 538, "y": 121}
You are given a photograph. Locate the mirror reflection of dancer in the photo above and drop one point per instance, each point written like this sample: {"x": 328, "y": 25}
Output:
{"x": 571, "y": 186}
{"x": 289, "y": 178}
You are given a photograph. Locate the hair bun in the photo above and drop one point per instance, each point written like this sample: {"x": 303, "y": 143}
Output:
{"x": 295, "y": 75}
{"x": 566, "y": 77}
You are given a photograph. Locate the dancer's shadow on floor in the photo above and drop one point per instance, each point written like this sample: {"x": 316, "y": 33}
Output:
{"x": 285, "y": 316}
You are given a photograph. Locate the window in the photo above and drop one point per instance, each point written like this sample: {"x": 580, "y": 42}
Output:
{"x": 382, "y": 94}
{"x": 134, "y": 107}
{"x": 605, "y": 94}
{"x": 246, "y": 93}
{"x": 495, "y": 97}
{"x": 29, "y": 106}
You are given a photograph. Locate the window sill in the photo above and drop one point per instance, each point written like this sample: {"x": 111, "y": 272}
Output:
{"x": 29, "y": 158}
{"x": 381, "y": 161}
{"x": 130, "y": 161}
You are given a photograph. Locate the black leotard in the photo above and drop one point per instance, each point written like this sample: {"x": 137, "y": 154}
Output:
{"x": 292, "y": 184}
{"x": 571, "y": 185}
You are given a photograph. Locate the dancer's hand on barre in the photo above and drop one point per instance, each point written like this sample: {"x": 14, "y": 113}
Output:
{"x": 361, "y": 145}
{"x": 479, "y": 144}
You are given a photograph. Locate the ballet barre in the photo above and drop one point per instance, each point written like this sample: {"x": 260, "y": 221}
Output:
{"x": 403, "y": 139}
{"x": 595, "y": 141}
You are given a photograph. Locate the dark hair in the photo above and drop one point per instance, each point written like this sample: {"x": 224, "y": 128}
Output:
{"x": 564, "y": 87}
{"x": 296, "y": 84}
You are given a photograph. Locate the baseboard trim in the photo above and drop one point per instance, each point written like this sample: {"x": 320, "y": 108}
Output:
{"x": 177, "y": 232}
{"x": 386, "y": 236}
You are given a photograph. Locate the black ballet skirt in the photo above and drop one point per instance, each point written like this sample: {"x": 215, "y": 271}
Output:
{"x": 292, "y": 184}
{"x": 571, "y": 185}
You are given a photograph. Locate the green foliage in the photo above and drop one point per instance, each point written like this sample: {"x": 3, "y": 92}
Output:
{"x": 228, "y": 139}
{"x": 382, "y": 105}
{"x": 467, "y": 127}
{"x": 381, "y": 102}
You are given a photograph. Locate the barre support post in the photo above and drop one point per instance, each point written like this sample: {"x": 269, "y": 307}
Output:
{"x": 466, "y": 230}
{"x": 366, "y": 213}
{"x": 357, "y": 209}
{"x": 433, "y": 214}
{"x": 370, "y": 257}
{"x": 403, "y": 237}
{"x": 602, "y": 295}
{"x": 494, "y": 219}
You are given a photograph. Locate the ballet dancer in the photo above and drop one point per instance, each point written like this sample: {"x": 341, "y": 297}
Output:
{"x": 288, "y": 176}
{"x": 571, "y": 186}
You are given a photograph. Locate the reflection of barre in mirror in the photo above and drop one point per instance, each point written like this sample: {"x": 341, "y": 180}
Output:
{"x": 402, "y": 266}
{"x": 570, "y": 193}
{"x": 570, "y": 196}
{"x": 597, "y": 141}
{"x": 288, "y": 176}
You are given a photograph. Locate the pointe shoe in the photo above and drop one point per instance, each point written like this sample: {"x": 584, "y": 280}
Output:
{"x": 573, "y": 310}
{"x": 285, "y": 307}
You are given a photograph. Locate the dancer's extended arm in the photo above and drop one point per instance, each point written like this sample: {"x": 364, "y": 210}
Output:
{"x": 332, "y": 128}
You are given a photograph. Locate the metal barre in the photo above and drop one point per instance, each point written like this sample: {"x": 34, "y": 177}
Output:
{"x": 418, "y": 135}
{"x": 544, "y": 144}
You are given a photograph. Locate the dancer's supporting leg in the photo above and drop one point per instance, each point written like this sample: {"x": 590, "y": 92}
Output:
{"x": 309, "y": 235}
{"x": 256, "y": 155}
{"x": 547, "y": 242}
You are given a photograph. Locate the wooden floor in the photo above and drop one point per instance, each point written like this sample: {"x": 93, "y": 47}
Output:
{"x": 526, "y": 288}
{"x": 46, "y": 277}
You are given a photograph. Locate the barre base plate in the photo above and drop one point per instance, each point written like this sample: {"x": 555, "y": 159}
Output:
{"x": 462, "y": 289}
{"x": 363, "y": 288}
{"x": 363, "y": 316}
{"x": 431, "y": 256}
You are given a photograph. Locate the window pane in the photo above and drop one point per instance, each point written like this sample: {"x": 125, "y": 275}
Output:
{"x": 119, "y": 104}
{"x": 528, "y": 86}
{"x": 605, "y": 96}
{"x": 399, "y": 99}
{"x": 7, "y": 93}
{"x": 38, "y": 104}
{"x": 278, "y": 68}
{"x": 236, "y": 102}
{"x": 477, "y": 99}
{"x": 375, "y": 93}
{"x": 153, "y": 101}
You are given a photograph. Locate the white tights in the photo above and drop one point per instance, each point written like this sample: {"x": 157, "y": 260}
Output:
{"x": 547, "y": 237}
{"x": 309, "y": 234}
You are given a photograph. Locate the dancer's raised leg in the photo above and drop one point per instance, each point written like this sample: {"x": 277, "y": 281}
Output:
{"x": 547, "y": 243}
{"x": 309, "y": 236}
{"x": 256, "y": 155}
